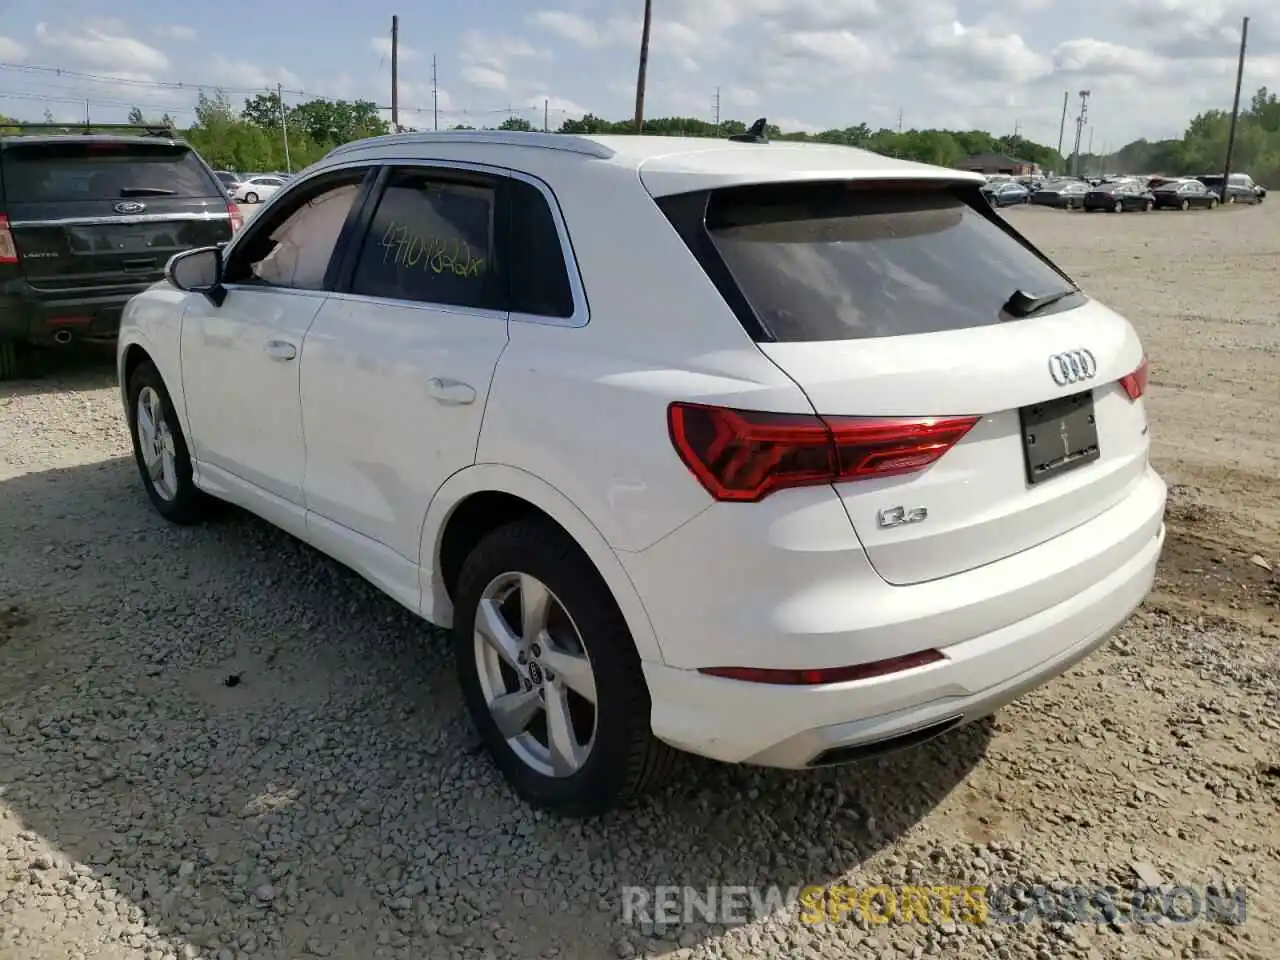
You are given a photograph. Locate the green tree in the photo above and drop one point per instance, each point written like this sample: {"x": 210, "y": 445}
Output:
{"x": 516, "y": 123}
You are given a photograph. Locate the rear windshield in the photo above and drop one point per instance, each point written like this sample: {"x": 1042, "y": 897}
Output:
{"x": 58, "y": 172}
{"x": 836, "y": 262}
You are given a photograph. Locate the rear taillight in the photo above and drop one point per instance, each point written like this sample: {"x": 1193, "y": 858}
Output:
{"x": 8, "y": 249}
{"x": 237, "y": 218}
{"x": 744, "y": 455}
{"x": 1135, "y": 384}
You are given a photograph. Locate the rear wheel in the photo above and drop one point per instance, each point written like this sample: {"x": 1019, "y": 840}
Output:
{"x": 9, "y": 367}
{"x": 1119, "y": 207}
{"x": 250, "y": 197}
{"x": 1213, "y": 203}
{"x": 1070, "y": 204}
{"x": 1149, "y": 206}
{"x": 550, "y": 674}
{"x": 1186, "y": 204}
{"x": 160, "y": 449}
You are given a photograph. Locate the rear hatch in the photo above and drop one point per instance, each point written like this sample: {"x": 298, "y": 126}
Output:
{"x": 897, "y": 302}
{"x": 93, "y": 211}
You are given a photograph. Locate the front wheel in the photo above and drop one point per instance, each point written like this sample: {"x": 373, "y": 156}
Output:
{"x": 250, "y": 197}
{"x": 550, "y": 674}
{"x": 160, "y": 449}
{"x": 1070, "y": 205}
{"x": 1149, "y": 206}
{"x": 1119, "y": 207}
{"x": 1186, "y": 204}
{"x": 1213, "y": 204}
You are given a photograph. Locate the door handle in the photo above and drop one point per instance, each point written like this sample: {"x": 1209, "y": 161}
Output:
{"x": 280, "y": 349}
{"x": 451, "y": 392}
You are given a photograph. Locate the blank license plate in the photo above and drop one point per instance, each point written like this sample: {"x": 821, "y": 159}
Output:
{"x": 1058, "y": 436}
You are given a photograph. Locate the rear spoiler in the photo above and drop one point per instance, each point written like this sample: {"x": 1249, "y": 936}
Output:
{"x": 18, "y": 128}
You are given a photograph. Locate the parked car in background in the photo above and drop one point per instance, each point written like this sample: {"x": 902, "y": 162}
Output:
{"x": 257, "y": 188}
{"x": 89, "y": 220}
{"x": 1119, "y": 196}
{"x": 1242, "y": 189}
{"x": 1183, "y": 195}
{"x": 1160, "y": 181}
{"x": 229, "y": 180}
{"x": 1006, "y": 194}
{"x": 1067, "y": 194}
{"x": 746, "y": 534}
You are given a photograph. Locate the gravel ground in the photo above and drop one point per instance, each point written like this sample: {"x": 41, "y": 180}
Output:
{"x": 217, "y": 743}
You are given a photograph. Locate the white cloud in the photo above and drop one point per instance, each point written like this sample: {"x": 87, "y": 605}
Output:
{"x": 103, "y": 46}
{"x": 485, "y": 78}
{"x": 175, "y": 32}
{"x": 246, "y": 75}
{"x": 11, "y": 51}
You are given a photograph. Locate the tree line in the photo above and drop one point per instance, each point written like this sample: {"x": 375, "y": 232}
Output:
{"x": 253, "y": 137}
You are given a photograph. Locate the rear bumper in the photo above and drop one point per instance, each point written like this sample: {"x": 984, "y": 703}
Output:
{"x": 1066, "y": 597}
{"x": 35, "y": 315}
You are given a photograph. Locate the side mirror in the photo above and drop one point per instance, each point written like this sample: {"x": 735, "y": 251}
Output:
{"x": 198, "y": 271}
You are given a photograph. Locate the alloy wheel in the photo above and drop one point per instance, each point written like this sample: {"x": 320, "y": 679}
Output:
{"x": 156, "y": 442}
{"x": 535, "y": 675}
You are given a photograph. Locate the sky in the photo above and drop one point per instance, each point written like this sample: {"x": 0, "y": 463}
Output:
{"x": 997, "y": 65}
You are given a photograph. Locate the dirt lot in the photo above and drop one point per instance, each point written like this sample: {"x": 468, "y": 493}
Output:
{"x": 216, "y": 743}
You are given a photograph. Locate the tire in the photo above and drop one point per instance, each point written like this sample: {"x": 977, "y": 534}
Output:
{"x": 250, "y": 197}
{"x": 1186, "y": 204}
{"x": 1149, "y": 206}
{"x": 1119, "y": 207}
{"x": 1213, "y": 203}
{"x": 1070, "y": 205}
{"x": 9, "y": 366}
{"x": 623, "y": 760}
{"x": 182, "y": 502}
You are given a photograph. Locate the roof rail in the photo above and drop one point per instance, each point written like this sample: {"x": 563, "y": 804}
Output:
{"x": 147, "y": 129}
{"x": 511, "y": 138}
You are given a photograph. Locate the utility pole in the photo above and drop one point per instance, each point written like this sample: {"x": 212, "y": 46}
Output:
{"x": 284, "y": 128}
{"x": 86, "y": 113}
{"x": 435, "y": 95}
{"x": 1062, "y": 127}
{"x": 644, "y": 65}
{"x": 395, "y": 74}
{"x": 546, "y": 122}
{"x": 1235, "y": 112}
{"x": 1080, "y": 119}
{"x": 716, "y": 104}
{"x": 899, "y": 119}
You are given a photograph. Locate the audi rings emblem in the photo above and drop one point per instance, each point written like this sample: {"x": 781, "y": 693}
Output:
{"x": 1074, "y": 366}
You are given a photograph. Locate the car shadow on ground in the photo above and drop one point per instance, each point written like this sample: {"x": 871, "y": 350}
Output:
{"x": 75, "y": 366}
{"x": 265, "y": 757}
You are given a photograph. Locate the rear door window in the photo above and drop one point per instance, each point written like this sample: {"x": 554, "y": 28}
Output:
{"x": 838, "y": 261}
{"x": 95, "y": 171}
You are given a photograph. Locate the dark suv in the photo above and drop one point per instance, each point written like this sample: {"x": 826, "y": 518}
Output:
{"x": 88, "y": 220}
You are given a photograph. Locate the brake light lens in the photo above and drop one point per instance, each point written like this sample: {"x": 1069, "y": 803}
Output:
{"x": 813, "y": 678}
{"x": 8, "y": 249}
{"x": 1135, "y": 384}
{"x": 744, "y": 455}
{"x": 237, "y": 218}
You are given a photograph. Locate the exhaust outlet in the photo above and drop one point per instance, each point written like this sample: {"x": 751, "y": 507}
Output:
{"x": 62, "y": 337}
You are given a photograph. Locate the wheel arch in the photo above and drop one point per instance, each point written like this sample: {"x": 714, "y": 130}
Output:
{"x": 483, "y": 497}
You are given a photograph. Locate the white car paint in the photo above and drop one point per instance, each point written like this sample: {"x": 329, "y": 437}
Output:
{"x": 390, "y": 414}
{"x": 261, "y": 187}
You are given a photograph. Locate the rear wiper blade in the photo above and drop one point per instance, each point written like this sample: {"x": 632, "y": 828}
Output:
{"x": 146, "y": 192}
{"x": 1022, "y": 304}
